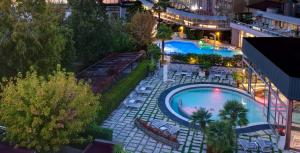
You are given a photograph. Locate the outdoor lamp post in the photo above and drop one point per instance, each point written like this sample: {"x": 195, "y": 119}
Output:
{"x": 215, "y": 37}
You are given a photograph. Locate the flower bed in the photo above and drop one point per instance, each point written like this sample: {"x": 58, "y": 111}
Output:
{"x": 157, "y": 134}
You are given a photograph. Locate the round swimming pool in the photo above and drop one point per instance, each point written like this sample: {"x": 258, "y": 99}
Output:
{"x": 180, "y": 102}
{"x": 188, "y": 47}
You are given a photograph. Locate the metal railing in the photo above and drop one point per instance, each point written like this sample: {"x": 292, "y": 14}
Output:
{"x": 262, "y": 29}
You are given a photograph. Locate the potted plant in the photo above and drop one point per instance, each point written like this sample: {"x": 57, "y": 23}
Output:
{"x": 237, "y": 76}
{"x": 206, "y": 65}
{"x": 282, "y": 138}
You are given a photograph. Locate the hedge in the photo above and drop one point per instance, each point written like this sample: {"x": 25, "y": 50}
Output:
{"x": 98, "y": 132}
{"x": 214, "y": 59}
{"x": 112, "y": 98}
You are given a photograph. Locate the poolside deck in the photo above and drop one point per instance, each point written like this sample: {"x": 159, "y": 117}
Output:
{"x": 134, "y": 140}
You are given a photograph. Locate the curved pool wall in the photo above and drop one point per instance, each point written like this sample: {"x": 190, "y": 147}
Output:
{"x": 190, "y": 47}
{"x": 166, "y": 96}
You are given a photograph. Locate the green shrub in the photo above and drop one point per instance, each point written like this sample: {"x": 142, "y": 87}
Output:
{"x": 112, "y": 98}
{"x": 98, "y": 132}
{"x": 214, "y": 59}
{"x": 119, "y": 149}
{"x": 153, "y": 52}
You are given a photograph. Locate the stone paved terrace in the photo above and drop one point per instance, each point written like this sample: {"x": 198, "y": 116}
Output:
{"x": 135, "y": 140}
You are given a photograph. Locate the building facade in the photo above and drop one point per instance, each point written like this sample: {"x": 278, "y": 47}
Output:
{"x": 267, "y": 19}
{"x": 273, "y": 79}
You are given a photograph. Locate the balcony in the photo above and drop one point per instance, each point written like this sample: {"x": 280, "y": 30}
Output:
{"x": 190, "y": 19}
{"x": 261, "y": 29}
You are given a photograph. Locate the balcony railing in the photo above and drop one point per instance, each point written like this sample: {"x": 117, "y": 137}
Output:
{"x": 267, "y": 30}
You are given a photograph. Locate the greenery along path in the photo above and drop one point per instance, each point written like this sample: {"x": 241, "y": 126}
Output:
{"x": 134, "y": 140}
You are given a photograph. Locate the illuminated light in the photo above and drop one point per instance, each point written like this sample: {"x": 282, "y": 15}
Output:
{"x": 181, "y": 28}
{"x": 218, "y": 34}
{"x": 201, "y": 43}
{"x": 256, "y": 28}
{"x": 208, "y": 26}
{"x": 244, "y": 103}
{"x": 217, "y": 90}
{"x": 244, "y": 71}
{"x": 229, "y": 64}
{"x": 192, "y": 60}
{"x": 194, "y": 8}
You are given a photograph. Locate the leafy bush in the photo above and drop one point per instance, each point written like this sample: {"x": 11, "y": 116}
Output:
{"x": 91, "y": 133}
{"x": 119, "y": 149}
{"x": 153, "y": 51}
{"x": 45, "y": 113}
{"x": 111, "y": 99}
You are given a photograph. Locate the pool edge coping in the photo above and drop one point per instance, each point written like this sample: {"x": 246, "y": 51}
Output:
{"x": 165, "y": 96}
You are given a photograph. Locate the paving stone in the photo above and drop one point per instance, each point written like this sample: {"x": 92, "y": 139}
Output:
{"x": 135, "y": 140}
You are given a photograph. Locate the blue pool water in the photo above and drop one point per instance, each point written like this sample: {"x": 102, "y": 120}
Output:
{"x": 213, "y": 99}
{"x": 180, "y": 47}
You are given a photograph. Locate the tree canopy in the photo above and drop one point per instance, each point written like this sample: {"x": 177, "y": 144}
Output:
{"x": 235, "y": 112}
{"x": 201, "y": 117}
{"x": 221, "y": 137}
{"x": 141, "y": 27}
{"x": 164, "y": 32}
{"x": 91, "y": 29}
{"x": 30, "y": 35}
{"x": 44, "y": 113}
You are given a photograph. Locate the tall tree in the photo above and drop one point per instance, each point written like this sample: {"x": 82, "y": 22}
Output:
{"x": 221, "y": 137}
{"x": 159, "y": 7}
{"x": 235, "y": 112}
{"x": 91, "y": 30}
{"x": 121, "y": 40}
{"x": 201, "y": 118}
{"x": 44, "y": 113}
{"x": 141, "y": 27}
{"x": 30, "y": 35}
{"x": 164, "y": 33}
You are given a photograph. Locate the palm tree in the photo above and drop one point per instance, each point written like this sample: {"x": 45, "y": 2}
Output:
{"x": 201, "y": 117}
{"x": 221, "y": 137}
{"x": 164, "y": 33}
{"x": 159, "y": 7}
{"x": 235, "y": 112}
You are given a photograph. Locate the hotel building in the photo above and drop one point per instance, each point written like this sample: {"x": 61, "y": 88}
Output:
{"x": 266, "y": 19}
{"x": 272, "y": 77}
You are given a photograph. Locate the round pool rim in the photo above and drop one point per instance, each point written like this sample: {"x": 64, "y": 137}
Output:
{"x": 165, "y": 97}
{"x": 195, "y": 43}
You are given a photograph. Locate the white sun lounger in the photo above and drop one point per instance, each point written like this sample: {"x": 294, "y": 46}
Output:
{"x": 159, "y": 124}
{"x": 174, "y": 130}
{"x": 132, "y": 104}
{"x": 248, "y": 146}
{"x": 264, "y": 145}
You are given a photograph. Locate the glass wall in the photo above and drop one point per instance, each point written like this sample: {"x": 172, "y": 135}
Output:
{"x": 259, "y": 89}
{"x": 295, "y": 133}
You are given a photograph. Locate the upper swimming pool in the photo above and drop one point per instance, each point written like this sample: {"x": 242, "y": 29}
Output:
{"x": 186, "y": 47}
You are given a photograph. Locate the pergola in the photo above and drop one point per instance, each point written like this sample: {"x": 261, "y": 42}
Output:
{"x": 104, "y": 72}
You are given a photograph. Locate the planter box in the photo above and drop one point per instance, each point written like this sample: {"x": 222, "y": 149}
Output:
{"x": 174, "y": 145}
{"x": 281, "y": 142}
